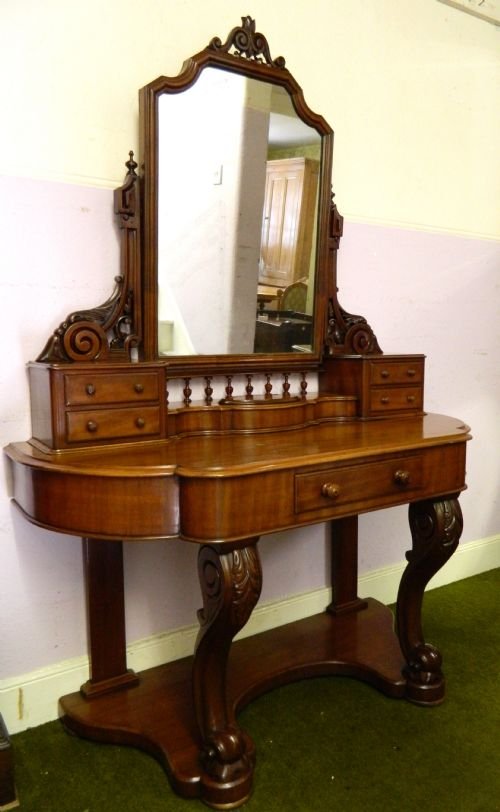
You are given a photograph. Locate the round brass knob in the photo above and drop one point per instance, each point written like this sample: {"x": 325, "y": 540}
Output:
{"x": 91, "y": 425}
{"x": 140, "y": 422}
{"x": 138, "y": 387}
{"x": 90, "y": 389}
{"x": 330, "y": 490}
{"x": 402, "y": 477}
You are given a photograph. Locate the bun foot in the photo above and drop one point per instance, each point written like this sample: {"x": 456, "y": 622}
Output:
{"x": 230, "y": 795}
{"x": 425, "y": 694}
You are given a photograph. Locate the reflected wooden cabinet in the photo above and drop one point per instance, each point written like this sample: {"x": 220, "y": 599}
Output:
{"x": 288, "y": 222}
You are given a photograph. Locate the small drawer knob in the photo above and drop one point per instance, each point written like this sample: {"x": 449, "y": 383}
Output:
{"x": 410, "y": 398}
{"x": 384, "y": 373}
{"x": 91, "y": 426}
{"x": 139, "y": 388}
{"x": 90, "y": 389}
{"x": 411, "y": 372}
{"x": 140, "y": 422}
{"x": 402, "y": 477}
{"x": 385, "y": 399}
{"x": 330, "y": 490}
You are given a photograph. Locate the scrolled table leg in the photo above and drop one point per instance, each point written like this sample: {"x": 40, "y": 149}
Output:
{"x": 231, "y": 584}
{"x": 436, "y": 527}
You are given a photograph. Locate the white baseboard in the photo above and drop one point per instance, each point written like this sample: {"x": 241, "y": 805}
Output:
{"x": 31, "y": 699}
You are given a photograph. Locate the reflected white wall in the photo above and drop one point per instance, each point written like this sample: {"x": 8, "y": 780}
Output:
{"x": 212, "y": 154}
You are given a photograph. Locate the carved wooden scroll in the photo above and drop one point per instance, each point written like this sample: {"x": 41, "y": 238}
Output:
{"x": 245, "y": 41}
{"x": 346, "y": 333}
{"x": 111, "y": 329}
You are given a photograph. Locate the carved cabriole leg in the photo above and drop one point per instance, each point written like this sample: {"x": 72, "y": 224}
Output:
{"x": 230, "y": 584}
{"x": 436, "y": 526}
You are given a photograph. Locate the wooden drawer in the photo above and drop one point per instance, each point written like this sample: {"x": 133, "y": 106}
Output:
{"x": 396, "y": 372}
{"x": 389, "y": 399}
{"x": 343, "y": 485}
{"x": 112, "y": 424}
{"x": 375, "y": 381}
{"x": 96, "y": 388}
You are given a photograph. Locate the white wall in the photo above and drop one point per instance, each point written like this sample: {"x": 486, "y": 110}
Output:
{"x": 409, "y": 88}
{"x": 410, "y": 91}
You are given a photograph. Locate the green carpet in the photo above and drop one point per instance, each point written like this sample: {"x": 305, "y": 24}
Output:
{"x": 322, "y": 744}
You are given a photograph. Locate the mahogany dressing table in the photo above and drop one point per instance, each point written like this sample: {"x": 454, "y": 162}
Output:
{"x": 121, "y": 451}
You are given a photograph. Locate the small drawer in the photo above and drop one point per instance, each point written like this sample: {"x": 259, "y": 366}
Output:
{"x": 96, "y": 388}
{"x": 359, "y": 483}
{"x": 397, "y": 398}
{"x": 392, "y": 372}
{"x": 112, "y": 424}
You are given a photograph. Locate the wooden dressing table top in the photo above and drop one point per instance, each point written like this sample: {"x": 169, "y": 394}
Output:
{"x": 232, "y": 454}
{"x": 245, "y": 485}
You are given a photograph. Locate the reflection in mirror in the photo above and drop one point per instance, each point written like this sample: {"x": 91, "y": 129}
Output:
{"x": 237, "y": 211}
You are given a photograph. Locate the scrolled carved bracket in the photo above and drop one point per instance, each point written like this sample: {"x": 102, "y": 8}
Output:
{"x": 112, "y": 328}
{"x": 82, "y": 336}
{"x": 248, "y": 43}
{"x": 346, "y": 333}
{"x": 232, "y": 581}
{"x": 436, "y": 527}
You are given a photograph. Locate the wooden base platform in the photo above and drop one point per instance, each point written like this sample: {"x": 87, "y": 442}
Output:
{"x": 157, "y": 715}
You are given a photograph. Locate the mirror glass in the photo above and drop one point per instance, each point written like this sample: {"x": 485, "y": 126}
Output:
{"x": 238, "y": 186}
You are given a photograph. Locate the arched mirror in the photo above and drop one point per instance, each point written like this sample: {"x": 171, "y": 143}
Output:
{"x": 229, "y": 233}
{"x": 236, "y": 174}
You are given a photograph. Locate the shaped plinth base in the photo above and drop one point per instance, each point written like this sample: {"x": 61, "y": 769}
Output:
{"x": 158, "y": 716}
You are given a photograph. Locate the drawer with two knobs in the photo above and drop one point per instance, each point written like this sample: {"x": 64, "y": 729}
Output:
{"x": 125, "y": 405}
{"x": 344, "y": 485}
{"x": 93, "y": 404}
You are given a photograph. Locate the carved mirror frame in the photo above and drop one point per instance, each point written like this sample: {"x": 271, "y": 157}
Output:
{"x": 126, "y": 325}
